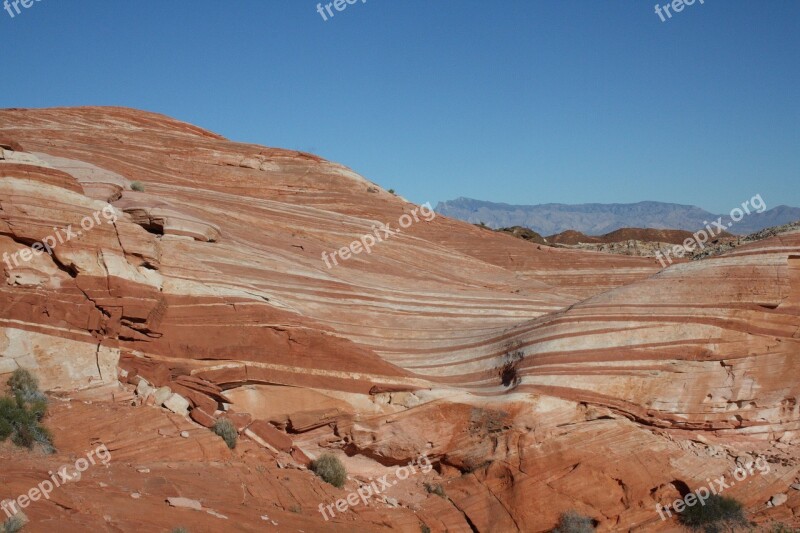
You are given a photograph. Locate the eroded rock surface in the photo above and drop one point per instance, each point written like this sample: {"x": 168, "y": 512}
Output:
{"x": 536, "y": 380}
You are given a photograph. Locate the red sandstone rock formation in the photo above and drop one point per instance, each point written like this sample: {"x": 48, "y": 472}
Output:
{"x": 536, "y": 380}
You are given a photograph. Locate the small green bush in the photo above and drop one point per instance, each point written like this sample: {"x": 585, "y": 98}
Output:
{"x": 330, "y": 469}
{"x": 780, "y": 527}
{"x": 137, "y": 186}
{"x": 22, "y": 412}
{"x": 23, "y": 382}
{"x": 572, "y": 522}
{"x": 13, "y": 524}
{"x": 391, "y": 191}
{"x": 180, "y": 530}
{"x": 424, "y": 529}
{"x": 225, "y": 429}
{"x": 719, "y": 513}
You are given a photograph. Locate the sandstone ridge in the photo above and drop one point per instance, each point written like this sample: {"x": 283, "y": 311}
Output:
{"x": 535, "y": 379}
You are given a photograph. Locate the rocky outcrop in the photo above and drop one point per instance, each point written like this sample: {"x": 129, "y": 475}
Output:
{"x": 535, "y": 379}
{"x": 161, "y": 218}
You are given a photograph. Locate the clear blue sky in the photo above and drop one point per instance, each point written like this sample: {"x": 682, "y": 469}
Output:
{"x": 518, "y": 101}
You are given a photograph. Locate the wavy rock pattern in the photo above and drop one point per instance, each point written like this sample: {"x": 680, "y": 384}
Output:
{"x": 537, "y": 379}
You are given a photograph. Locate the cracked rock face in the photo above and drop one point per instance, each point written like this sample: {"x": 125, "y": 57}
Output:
{"x": 536, "y": 380}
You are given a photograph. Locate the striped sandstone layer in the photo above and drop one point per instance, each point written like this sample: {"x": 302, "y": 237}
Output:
{"x": 537, "y": 379}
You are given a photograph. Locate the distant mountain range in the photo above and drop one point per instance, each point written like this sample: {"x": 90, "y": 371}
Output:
{"x": 598, "y": 219}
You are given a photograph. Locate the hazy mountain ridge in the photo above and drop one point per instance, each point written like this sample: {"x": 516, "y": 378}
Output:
{"x": 599, "y": 219}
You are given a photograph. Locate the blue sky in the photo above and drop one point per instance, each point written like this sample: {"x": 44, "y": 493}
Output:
{"x": 518, "y": 101}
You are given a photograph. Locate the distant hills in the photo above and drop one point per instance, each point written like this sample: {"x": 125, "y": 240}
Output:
{"x": 599, "y": 219}
{"x": 668, "y": 236}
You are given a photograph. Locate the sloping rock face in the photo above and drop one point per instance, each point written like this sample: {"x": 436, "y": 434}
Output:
{"x": 535, "y": 380}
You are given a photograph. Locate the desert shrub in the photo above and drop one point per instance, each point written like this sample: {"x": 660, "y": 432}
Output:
{"x": 779, "y": 527}
{"x": 24, "y": 383}
{"x": 180, "y": 530}
{"x": 435, "y": 489}
{"x": 391, "y": 191}
{"x": 13, "y": 524}
{"x": 137, "y": 186}
{"x": 572, "y": 522}
{"x": 21, "y": 422}
{"x": 22, "y": 412}
{"x": 330, "y": 469}
{"x": 225, "y": 429}
{"x": 719, "y": 513}
{"x": 424, "y": 529}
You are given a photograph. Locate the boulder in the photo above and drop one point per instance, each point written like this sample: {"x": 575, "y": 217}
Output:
{"x": 196, "y": 398}
{"x": 143, "y": 388}
{"x": 177, "y": 404}
{"x": 162, "y": 395}
{"x": 308, "y": 420}
{"x": 185, "y": 503}
{"x": 201, "y": 417}
{"x": 269, "y": 434}
{"x": 778, "y": 499}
